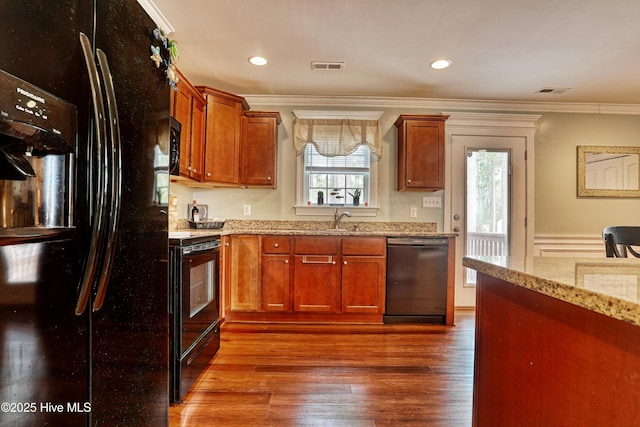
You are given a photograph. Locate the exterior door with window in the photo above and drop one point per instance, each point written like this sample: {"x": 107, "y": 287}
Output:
{"x": 490, "y": 202}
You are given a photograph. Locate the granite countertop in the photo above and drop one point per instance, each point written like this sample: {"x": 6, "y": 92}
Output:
{"x": 317, "y": 228}
{"x": 609, "y": 286}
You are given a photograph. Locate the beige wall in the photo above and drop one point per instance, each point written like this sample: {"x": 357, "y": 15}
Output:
{"x": 558, "y": 211}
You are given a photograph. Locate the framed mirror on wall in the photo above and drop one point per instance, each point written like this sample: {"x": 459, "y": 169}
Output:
{"x": 608, "y": 171}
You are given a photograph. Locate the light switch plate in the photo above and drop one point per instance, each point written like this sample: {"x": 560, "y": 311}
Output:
{"x": 247, "y": 210}
{"x": 431, "y": 202}
{"x": 414, "y": 212}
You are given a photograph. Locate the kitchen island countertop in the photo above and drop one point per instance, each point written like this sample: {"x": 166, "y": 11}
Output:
{"x": 609, "y": 286}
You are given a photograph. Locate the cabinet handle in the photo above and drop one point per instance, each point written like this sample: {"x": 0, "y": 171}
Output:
{"x": 275, "y": 245}
{"x": 286, "y": 261}
{"x": 345, "y": 263}
{"x": 334, "y": 263}
{"x": 208, "y": 173}
{"x": 194, "y": 170}
{"x": 268, "y": 178}
{"x": 315, "y": 260}
{"x": 188, "y": 168}
{"x": 408, "y": 181}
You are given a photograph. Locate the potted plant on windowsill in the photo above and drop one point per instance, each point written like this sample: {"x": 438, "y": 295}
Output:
{"x": 356, "y": 196}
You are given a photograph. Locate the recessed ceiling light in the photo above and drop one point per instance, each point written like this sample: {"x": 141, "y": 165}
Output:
{"x": 440, "y": 64}
{"x": 258, "y": 60}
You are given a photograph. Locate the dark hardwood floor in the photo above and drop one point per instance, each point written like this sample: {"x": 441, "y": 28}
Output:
{"x": 338, "y": 375}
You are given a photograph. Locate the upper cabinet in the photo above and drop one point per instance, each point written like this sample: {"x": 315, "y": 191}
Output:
{"x": 259, "y": 148}
{"x": 188, "y": 107}
{"x": 223, "y": 127}
{"x": 421, "y": 152}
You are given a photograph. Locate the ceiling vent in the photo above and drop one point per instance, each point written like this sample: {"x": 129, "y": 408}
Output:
{"x": 554, "y": 90}
{"x": 317, "y": 65}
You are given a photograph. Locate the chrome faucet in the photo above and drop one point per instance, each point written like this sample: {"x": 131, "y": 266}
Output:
{"x": 337, "y": 218}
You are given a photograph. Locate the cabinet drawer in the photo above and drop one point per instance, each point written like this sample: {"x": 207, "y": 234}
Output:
{"x": 276, "y": 244}
{"x": 320, "y": 245}
{"x": 364, "y": 246}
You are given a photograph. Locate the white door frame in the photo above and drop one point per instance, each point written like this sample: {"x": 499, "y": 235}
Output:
{"x": 489, "y": 124}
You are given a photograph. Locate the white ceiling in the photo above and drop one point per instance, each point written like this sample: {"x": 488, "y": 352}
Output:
{"x": 501, "y": 49}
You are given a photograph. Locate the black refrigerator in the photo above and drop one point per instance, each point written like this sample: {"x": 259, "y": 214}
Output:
{"x": 84, "y": 133}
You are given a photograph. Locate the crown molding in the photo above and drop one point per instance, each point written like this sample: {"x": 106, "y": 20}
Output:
{"x": 338, "y": 114}
{"x": 441, "y": 104}
{"x": 161, "y": 21}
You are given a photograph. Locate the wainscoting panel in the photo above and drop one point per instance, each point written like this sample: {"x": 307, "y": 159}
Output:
{"x": 568, "y": 246}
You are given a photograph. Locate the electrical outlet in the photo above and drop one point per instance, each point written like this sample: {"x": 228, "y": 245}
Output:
{"x": 247, "y": 210}
{"x": 431, "y": 202}
{"x": 414, "y": 212}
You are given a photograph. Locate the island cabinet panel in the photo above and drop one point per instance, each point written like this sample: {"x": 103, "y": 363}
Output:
{"x": 540, "y": 361}
{"x": 259, "y": 148}
{"x": 245, "y": 272}
{"x": 421, "y": 152}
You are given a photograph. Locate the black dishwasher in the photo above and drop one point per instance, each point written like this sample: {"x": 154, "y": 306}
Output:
{"x": 416, "y": 280}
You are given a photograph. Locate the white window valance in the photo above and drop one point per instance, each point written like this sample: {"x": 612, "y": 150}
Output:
{"x": 337, "y": 137}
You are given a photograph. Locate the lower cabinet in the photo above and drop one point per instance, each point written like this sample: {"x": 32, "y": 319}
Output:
{"x": 315, "y": 278}
{"x": 361, "y": 284}
{"x": 276, "y": 273}
{"x": 244, "y": 279}
{"x": 316, "y": 284}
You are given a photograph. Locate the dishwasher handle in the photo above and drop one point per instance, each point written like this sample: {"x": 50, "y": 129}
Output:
{"x": 417, "y": 241}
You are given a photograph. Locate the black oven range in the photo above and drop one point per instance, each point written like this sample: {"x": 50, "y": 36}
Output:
{"x": 194, "y": 306}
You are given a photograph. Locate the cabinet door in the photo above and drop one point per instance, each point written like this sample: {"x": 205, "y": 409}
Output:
{"x": 259, "y": 149}
{"x": 316, "y": 283}
{"x": 197, "y": 139}
{"x": 421, "y": 152}
{"x": 363, "y": 284}
{"x": 245, "y": 273}
{"x": 225, "y": 270}
{"x": 222, "y": 142}
{"x": 182, "y": 113}
{"x": 275, "y": 283}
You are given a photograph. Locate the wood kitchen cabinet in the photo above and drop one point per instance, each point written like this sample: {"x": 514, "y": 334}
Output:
{"x": 307, "y": 278}
{"x": 363, "y": 274}
{"x": 276, "y": 273}
{"x": 225, "y": 274}
{"x": 316, "y": 277}
{"x": 245, "y": 272}
{"x": 188, "y": 107}
{"x": 223, "y": 128}
{"x": 259, "y": 148}
{"x": 421, "y": 152}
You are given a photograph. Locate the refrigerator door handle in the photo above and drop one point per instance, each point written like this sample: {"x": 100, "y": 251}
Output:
{"x": 97, "y": 231}
{"x": 114, "y": 149}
